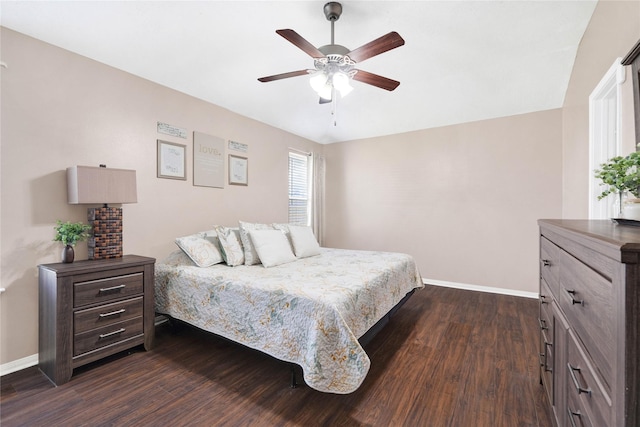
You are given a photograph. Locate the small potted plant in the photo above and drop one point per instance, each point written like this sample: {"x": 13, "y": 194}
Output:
{"x": 70, "y": 233}
{"x": 621, "y": 175}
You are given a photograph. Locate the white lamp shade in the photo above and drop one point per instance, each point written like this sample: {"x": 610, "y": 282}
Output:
{"x": 93, "y": 185}
{"x": 318, "y": 80}
{"x": 326, "y": 92}
{"x": 341, "y": 83}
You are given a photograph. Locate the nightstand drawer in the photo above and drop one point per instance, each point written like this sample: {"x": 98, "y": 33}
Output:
{"x": 107, "y": 289}
{"x": 101, "y": 337}
{"x": 104, "y": 315}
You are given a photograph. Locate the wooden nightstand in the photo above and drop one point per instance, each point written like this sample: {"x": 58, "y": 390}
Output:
{"x": 93, "y": 309}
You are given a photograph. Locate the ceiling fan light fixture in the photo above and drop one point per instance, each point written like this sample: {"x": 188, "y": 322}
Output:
{"x": 326, "y": 92}
{"x": 318, "y": 80}
{"x": 341, "y": 83}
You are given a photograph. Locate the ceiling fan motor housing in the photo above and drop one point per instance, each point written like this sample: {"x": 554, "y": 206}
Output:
{"x": 333, "y": 10}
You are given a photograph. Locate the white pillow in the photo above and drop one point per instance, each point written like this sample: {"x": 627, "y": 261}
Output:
{"x": 203, "y": 248}
{"x": 230, "y": 244}
{"x": 272, "y": 247}
{"x": 284, "y": 228}
{"x": 303, "y": 241}
{"x": 251, "y": 257}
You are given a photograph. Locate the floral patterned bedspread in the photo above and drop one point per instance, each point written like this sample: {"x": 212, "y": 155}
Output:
{"x": 310, "y": 312}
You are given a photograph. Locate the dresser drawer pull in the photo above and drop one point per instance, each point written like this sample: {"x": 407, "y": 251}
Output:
{"x": 119, "y": 331}
{"x": 112, "y": 289}
{"x": 573, "y": 299}
{"x": 544, "y": 356}
{"x": 571, "y": 415}
{"x": 543, "y": 324}
{"x": 575, "y": 380}
{"x": 113, "y": 313}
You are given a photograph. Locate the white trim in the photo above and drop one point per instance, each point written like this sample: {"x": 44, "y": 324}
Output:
{"x": 605, "y": 139}
{"x": 18, "y": 365}
{"x": 478, "y": 288}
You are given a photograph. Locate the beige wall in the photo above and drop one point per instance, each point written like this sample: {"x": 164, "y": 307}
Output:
{"x": 612, "y": 32}
{"x": 463, "y": 200}
{"x": 60, "y": 109}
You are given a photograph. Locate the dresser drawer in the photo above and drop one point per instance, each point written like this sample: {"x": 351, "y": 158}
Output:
{"x": 576, "y": 414}
{"x": 550, "y": 264}
{"x": 587, "y": 299}
{"x": 545, "y": 319}
{"x": 107, "y": 314}
{"x": 585, "y": 389}
{"x": 107, "y": 289}
{"x": 106, "y": 335}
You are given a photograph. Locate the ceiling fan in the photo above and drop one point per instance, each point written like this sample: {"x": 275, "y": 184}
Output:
{"x": 334, "y": 65}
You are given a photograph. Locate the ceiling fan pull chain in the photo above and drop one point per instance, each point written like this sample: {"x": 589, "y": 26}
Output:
{"x": 334, "y": 107}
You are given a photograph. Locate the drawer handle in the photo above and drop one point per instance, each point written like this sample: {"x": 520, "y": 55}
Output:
{"x": 107, "y": 335}
{"x": 571, "y": 415}
{"x": 113, "y": 313}
{"x": 543, "y": 324}
{"x": 112, "y": 289}
{"x": 544, "y": 357}
{"x": 546, "y": 263}
{"x": 574, "y": 301}
{"x": 572, "y": 370}
{"x": 543, "y": 299}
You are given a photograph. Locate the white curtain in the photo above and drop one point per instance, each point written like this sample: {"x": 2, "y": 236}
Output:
{"x": 317, "y": 198}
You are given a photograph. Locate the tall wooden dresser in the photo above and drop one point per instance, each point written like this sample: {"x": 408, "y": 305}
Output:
{"x": 589, "y": 321}
{"x": 93, "y": 309}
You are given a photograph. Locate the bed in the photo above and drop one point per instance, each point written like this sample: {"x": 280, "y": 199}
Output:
{"x": 310, "y": 311}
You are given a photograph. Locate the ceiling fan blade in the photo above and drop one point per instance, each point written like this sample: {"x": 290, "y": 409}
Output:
{"x": 283, "y": 76}
{"x": 301, "y": 43}
{"x": 324, "y": 101}
{"x": 376, "y": 47}
{"x": 376, "y": 80}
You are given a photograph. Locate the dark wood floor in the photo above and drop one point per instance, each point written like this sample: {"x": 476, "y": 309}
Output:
{"x": 448, "y": 358}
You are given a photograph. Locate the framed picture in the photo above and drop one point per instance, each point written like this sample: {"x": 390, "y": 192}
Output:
{"x": 172, "y": 160}
{"x": 238, "y": 170}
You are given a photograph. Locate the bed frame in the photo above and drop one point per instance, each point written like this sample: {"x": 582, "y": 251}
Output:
{"x": 363, "y": 340}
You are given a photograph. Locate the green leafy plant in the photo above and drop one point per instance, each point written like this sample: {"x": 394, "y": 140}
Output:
{"x": 70, "y": 233}
{"x": 620, "y": 174}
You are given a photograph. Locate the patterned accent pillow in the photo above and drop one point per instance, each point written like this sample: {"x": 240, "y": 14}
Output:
{"x": 250, "y": 255}
{"x": 203, "y": 248}
{"x": 231, "y": 246}
{"x": 303, "y": 241}
{"x": 272, "y": 246}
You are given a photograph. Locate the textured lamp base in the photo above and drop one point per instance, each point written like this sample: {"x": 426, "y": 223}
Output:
{"x": 106, "y": 241}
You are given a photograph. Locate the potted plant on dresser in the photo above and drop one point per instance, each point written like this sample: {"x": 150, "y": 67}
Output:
{"x": 621, "y": 175}
{"x": 70, "y": 233}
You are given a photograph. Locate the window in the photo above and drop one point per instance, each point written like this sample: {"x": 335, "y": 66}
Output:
{"x": 299, "y": 189}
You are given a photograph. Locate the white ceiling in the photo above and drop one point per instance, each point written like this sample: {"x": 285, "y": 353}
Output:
{"x": 462, "y": 60}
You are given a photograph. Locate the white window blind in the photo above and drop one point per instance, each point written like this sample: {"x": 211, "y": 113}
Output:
{"x": 299, "y": 189}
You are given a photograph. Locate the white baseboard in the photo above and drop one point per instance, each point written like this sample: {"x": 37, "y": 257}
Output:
{"x": 478, "y": 288}
{"x": 18, "y": 365}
